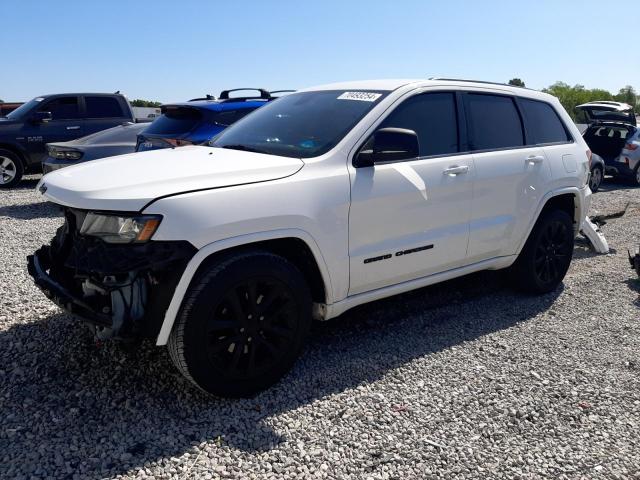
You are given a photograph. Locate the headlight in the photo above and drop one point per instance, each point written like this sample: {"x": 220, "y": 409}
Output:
{"x": 120, "y": 229}
{"x": 65, "y": 154}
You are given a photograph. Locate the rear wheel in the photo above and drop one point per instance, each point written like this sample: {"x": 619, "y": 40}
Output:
{"x": 545, "y": 258}
{"x": 243, "y": 324}
{"x": 596, "y": 178}
{"x": 11, "y": 169}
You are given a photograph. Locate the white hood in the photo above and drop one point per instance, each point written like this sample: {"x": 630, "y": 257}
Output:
{"x": 129, "y": 182}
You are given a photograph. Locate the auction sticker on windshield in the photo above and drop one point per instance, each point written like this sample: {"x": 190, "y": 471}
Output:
{"x": 361, "y": 96}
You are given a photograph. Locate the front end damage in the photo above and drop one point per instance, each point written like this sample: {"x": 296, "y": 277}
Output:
{"x": 121, "y": 290}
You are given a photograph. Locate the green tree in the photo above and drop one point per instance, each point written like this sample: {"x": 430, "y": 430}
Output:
{"x": 144, "y": 103}
{"x": 627, "y": 95}
{"x": 570, "y": 96}
{"x": 516, "y": 82}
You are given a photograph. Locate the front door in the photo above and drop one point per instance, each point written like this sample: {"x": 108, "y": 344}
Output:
{"x": 65, "y": 125}
{"x": 410, "y": 219}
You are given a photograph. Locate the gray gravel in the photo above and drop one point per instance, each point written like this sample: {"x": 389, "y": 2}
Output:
{"x": 467, "y": 379}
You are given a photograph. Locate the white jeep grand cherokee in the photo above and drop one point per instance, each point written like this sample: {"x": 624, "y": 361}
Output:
{"x": 320, "y": 201}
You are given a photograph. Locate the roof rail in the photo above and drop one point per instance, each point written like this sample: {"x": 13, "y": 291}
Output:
{"x": 224, "y": 95}
{"x": 474, "y": 81}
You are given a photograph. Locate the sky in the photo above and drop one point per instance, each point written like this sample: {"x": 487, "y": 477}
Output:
{"x": 172, "y": 51}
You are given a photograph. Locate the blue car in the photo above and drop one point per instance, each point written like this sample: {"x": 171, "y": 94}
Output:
{"x": 200, "y": 119}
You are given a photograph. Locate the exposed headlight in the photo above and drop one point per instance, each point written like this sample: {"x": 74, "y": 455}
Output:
{"x": 120, "y": 229}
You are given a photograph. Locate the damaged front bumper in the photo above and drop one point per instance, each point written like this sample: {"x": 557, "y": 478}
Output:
{"x": 123, "y": 291}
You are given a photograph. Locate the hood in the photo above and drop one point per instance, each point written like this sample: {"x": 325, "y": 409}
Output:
{"x": 129, "y": 182}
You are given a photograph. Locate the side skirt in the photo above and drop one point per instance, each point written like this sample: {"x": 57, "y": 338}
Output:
{"x": 326, "y": 312}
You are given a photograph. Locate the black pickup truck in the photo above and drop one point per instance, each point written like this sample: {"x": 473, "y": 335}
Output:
{"x": 25, "y": 132}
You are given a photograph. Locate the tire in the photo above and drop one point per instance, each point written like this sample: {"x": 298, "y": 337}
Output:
{"x": 11, "y": 169}
{"x": 546, "y": 256}
{"x": 248, "y": 347}
{"x": 597, "y": 175}
{"x": 636, "y": 175}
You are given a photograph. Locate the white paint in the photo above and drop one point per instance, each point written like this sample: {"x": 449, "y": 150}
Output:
{"x": 476, "y": 219}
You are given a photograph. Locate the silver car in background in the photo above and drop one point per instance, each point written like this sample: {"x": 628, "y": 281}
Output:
{"x": 630, "y": 155}
{"x": 106, "y": 143}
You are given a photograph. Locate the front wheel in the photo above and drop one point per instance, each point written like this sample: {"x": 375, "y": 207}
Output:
{"x": 11, "y": 169}
{"x": 243, "y": 324}
{"x": 546, "y": 256}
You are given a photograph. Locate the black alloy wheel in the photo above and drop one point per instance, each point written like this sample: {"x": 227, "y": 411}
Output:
{"x": 243, "y": 324}
{"x": 546, "y": 255}
{"x": 552, "y": 251}
{"x": 251, "y": 327}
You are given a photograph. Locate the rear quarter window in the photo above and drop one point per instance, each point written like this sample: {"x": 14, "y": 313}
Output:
{"x": 494, "y": 122}
{"x": 542, "y": 123}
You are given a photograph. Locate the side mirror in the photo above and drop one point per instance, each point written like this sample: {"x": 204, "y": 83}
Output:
{"x": 388, "y": 145}
{"x": 41, "y": 117}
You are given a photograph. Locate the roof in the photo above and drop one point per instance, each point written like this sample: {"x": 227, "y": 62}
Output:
{"x": 391, "y": 84}
{"x": 607, "y": 105}
{"x": 394, "y": 84}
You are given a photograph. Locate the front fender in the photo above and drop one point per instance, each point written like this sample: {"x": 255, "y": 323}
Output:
{"x": 221, "y": 245}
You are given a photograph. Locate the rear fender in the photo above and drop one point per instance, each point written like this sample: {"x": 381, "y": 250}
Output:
{"x": 582, "y": 199}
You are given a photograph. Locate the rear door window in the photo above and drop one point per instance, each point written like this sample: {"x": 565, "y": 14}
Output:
{"x": 62, "y": 108}
{"x": 494, "y": 122}
{"x": 433, "y": 117}
{"x": 103, "y": 107}
{"x": 543, "y": 124}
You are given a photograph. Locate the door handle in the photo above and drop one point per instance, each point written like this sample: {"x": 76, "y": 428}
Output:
{"x": 456, "y": 170}
{"x": 533, "y": 159}
{"x": 76, "y": 127}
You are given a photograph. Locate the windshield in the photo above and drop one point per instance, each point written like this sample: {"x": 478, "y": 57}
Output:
{"x": 300, "y": 125}
{"x": 24, "y": 108}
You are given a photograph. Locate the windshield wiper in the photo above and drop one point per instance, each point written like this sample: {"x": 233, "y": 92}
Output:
{"x": 244, "y": 148}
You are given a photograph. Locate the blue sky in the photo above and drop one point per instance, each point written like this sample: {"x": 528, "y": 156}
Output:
{"x": 170, "y": 51}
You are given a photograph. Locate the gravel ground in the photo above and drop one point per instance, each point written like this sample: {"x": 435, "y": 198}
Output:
{"x": 466, "y": 379}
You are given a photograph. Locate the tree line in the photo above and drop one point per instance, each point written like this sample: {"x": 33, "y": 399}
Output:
{"x": 571, "y": 96}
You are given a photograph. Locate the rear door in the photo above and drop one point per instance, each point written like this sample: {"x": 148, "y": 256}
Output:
{"x": 65, "y": 125}
{"x": 510, "y": 175}
{"x": 102, "y": 112}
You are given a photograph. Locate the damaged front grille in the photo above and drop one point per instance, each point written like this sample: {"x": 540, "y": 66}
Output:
{"x": 122, "y": 289}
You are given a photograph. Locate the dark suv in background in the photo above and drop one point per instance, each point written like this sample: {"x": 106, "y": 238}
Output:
{"x": 25, "y": 131}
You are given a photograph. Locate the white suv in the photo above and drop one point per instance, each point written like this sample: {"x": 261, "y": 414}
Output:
{"x": 320, "y": 201}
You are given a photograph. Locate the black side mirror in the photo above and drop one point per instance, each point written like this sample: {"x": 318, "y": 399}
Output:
{"x": 41, "y": 117}
{"x": 388, "y": 145}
